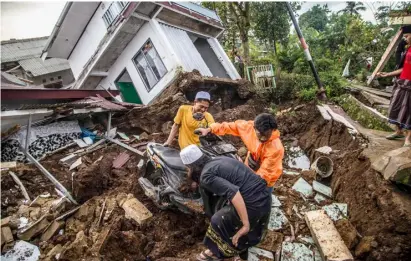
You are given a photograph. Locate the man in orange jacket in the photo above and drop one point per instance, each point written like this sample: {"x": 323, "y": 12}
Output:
{"x": 262, "y": 139}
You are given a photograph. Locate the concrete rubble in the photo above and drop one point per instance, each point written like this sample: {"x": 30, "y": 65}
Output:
{"x": 303, "y": 187}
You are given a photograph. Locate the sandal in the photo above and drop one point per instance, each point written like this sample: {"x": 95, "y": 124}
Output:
{"x": 408, "y": 145}
{"x": 204, "y": 257}
{"x": 394, "y": 136}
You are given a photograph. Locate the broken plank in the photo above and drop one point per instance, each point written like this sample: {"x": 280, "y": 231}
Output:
{"x": 68, "y": 213}
{"x": 326, "y": 236}
{"x": 8, "y": 165}
{"x": 374, "y": 99}
{"x": 372, "y": 90}
{"x": 7, "y": 235}
{"x": 52, "y": 229}
{"x": 386, "y": 56}
{"x": 120, "y": 160}
{"x": 33, "y": 230}
{"x": 22, "y": 188}
{"x": 324, "y": 113}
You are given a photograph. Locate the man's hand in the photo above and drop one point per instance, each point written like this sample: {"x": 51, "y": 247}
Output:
{"x": 166, "y": 144}
{"x": 202, "y": 131}
{"x": 243, "y": 231}
{"x": 382, "y": 74}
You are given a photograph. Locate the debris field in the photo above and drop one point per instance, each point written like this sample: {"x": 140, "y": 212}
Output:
{"x": 364, "y": 215}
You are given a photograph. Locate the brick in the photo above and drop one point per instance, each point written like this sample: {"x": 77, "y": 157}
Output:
{"x": 7, "y": 235}
{"x": 136, "y": 210}
{"x": 326, "y": 236}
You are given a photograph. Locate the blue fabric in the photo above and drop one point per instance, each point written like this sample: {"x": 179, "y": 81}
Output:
{"x": 87, "y": 133}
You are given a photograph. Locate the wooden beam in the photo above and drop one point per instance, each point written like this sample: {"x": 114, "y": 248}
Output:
{"x": 386, "y": 56}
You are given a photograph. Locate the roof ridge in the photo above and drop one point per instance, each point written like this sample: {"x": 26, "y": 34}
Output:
{"x": 12, "y": 41}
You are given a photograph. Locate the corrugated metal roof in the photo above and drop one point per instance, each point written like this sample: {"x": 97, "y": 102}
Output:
{"x": 16, "y": 50}
{"x": 36, "y": 66}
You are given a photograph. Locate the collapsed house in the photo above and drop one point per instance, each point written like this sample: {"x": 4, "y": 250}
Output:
{"x": 21, "y": 59}
{"x": 138, "y": 47}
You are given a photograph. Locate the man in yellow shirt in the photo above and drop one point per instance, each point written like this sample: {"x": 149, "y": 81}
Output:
{"x": 189, "y": 118}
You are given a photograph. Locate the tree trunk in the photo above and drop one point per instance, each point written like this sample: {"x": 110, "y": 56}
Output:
{"x": 246, "y": 48}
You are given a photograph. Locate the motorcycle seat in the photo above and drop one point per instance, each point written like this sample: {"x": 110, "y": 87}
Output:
{"x": 170, "y": 156}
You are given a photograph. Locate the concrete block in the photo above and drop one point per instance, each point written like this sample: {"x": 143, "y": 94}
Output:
{"x": 336, "y": 211}
{"x": 136, "y": 210}
{"x": 52, "y": 230}
{"x": 296, "y": 252}
{"x": 326, "y": 236}
{"x": 5, "y": 221}
{"x": 395, "y": 165}
{"x": 324, "y": 113}
{"x": 303, "y": 187}
{"x": 325, "y": 150}
{"x": 323, "y": 189}
{"x": 381, "y": 163}
{"x": 7, "y": 235}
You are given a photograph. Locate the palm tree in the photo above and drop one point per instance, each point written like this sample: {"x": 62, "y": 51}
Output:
{"x": 353, "y": 8}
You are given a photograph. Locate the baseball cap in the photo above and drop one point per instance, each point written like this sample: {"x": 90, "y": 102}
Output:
{"x": 190, "y": 154}
{"x": 203, "y": 96}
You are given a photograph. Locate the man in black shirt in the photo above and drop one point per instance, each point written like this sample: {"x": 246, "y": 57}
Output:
{"x": 241, "y": 224}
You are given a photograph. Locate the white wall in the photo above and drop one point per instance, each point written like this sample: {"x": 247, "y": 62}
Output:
{"x": 89, "y": 41}
{"x": 149, "y": 30}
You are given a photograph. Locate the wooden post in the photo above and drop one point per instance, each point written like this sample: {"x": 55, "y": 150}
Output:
{"x": 386, "y": 56}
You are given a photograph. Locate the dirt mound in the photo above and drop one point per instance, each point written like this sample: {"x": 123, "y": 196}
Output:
{"x": 154, "y": 118}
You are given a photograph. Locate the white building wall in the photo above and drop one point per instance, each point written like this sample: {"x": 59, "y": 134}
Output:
{"x": 89, "y": 41}
{"x": 153, "y": 31}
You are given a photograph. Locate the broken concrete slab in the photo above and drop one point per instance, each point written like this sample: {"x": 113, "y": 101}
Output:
{"x": 272, "y": 241}
{"x": 277, "y": 219}
{"x": 34, "y": 229}
{"x": 296, "y": 252}
{"x": 7, "y": 235}
{"x": 340, "y": 119}
{"x": 260, "y": 252}
{"x": 381, "y": 163}
{"x": 77, "y": 163}
{"x": 326, "y": 236}
{"x": 136, "y": 210}
{"x": 323, "y": 189}
{"x": 22, "y": 251}
{"x": 336, "y": 211}
{"x": 81, "y": 143}
{"x": 53, "y": 228}
{"x": 303, "y": 187}
{"x": 324, "y": 113}
{"x": 275, "y": 202}
{"x": 68, "y": 160}
{"x": 5, "y": 221}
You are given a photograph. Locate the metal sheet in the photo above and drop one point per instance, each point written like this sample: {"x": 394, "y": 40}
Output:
{"x": 16, "y": 50}
{"x": 37, "y": 66}
{"x": 185, "y": 50}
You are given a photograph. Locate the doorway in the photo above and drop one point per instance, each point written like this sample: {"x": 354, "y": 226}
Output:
{"x": 127, "y": 89}
{"x": 209, "y": 57}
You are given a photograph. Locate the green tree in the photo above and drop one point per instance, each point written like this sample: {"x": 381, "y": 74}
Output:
{"x": 271, "y": 22}
{"x": 353, "y": 8}
{"x": 316, "y": 17}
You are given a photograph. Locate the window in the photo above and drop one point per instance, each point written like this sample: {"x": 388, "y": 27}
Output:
{"x": 44, "y": 80}
{"x": 149, "y": 65}
{"x": 59, "y": 77}
{"x": 51, "y": 79}
{"x": 113, "y": 11}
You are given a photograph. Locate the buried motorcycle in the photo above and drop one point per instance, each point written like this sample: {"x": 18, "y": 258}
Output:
{"x": 165, "y": 175}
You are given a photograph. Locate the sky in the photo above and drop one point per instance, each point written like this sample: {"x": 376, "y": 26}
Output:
{"x": 35, "y": 19}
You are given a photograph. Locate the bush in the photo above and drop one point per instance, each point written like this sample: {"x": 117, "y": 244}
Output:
{"x": 308, "y": 94}
{"x": 289, "y": 84}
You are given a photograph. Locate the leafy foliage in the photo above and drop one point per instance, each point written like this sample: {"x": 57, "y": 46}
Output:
{"x": 316, "y": 17}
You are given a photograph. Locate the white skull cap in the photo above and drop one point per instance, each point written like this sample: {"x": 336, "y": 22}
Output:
{"x": 190, "y": 154}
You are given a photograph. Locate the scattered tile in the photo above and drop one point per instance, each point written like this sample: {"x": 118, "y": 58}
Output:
{"x": 296, "y": 252}
{"x": 303, "y": 187}
{"x": 275, "y": 202}
{"x": 306, "y": 240}
{"x": 260, "y": 252}
{"x": 120, "y": 160}
{"x": 22, "y": 251}
{"x": 277, "y": 219}
{"x": 123, "y": 136}
{"x": 325, "y": 150}
{"x": 323, "y": 189}
{"x": 336, "y": 211}
{"x": 319, "y": 198}
{"x": 326, "y": 236}
{"x": 291, "y": 173}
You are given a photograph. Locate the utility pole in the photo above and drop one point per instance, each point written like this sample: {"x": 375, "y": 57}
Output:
{"x": 321, "y": 93}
